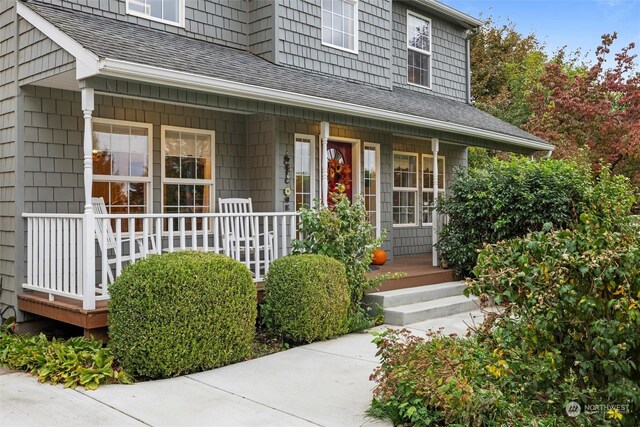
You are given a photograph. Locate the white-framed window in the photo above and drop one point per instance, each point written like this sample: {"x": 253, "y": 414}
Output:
{"x": 418, "y": 50}
{"x": 166, "y": 11}
{"x": 405, "y": 188}
{"x": 372, "y": 184}
{"x": 187, "y": 170}
{"x": 304, "y": 176}
{"x": 122, "y": 166}
{"x": 427, "y": 186}
{"x": 340, "y": 24}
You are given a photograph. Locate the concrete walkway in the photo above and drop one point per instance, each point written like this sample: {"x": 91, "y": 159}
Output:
{"x": 325, "y": 384}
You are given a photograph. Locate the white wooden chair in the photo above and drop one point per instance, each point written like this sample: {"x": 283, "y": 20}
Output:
{"x": 241, "y": 235}
{"x": 104, "y": 234}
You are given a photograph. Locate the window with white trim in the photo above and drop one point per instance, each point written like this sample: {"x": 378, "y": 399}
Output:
{"x": 166, "y": 11}
{"x": 372, "y": 184}
{"x": 187, "y": 170}
{"x": 340, "y": 24}
{"x": 303, "y": 170}
{"x": 122, "y": 173}
{"x": 405, "y": 188}
{"x": 427, "y": 186}
{"x": 418, "y": 50}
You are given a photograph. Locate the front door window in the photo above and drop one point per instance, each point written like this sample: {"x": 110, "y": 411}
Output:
{"x": 339, "y": 168}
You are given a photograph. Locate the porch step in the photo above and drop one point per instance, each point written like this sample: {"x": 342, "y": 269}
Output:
{"x": 418, "y": 312}
{"x": 404, "y": 306}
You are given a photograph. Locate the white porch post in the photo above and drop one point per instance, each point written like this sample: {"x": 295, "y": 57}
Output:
{"x": 435, "y": 146}
{"x": 88, "y": 255}
{"x": 324, "y": 137}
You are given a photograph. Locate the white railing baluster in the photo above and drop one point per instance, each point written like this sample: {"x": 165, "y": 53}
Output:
{"x": 145, "y": 237}
{"x": 118, "y": 246}
{"x": 284, "y": 235}
{"x": 267, "y": 243}
{"x": 79, "y": 264}
{"x": 183, "y": 245}
{"x": 73, "y": 247}
{"x": 256, "y": 247}
{"x": 205, "y": 234}
{"x": 59, "y": 254}
{"x": 104, "y": 256}
{"x": 194, "y": 234}
{"x": 170, "y": 237}
{"x": 132, "y": 240}
{"x": 158, "y": 236}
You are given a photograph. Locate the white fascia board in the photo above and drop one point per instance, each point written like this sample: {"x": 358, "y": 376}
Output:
{"x": 163, "y": 76}
{"x": 86, "y": 61}
{"x": 451, "y": 12}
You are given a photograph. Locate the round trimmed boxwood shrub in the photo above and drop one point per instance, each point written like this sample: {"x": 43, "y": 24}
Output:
{"x": 183, "y": 312}
{"x": 306, "y": 298}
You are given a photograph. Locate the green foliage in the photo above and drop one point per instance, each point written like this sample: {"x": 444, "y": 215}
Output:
{"x": 342, "y": 232}
{"x": 74, "y": 362}
{"x": 444, "y": 381}
{"x": 572, "y": 305}
{"x": 507, "y": 199}
{"x": 306, "y": 298}
{"x": 183, "y": 312}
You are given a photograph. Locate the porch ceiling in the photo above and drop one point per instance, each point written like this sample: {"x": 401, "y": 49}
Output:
{"x": 134, "y": 52}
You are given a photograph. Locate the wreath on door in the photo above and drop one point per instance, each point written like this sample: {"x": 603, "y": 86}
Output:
{"x": 339, "y": 172}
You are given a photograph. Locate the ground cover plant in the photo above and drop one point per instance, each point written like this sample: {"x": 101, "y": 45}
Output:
{"x": 306, "y": 298}
{"x": 183, "y": 312}
{"x": 73, "y": 362}
{"x": 568, "y": 331}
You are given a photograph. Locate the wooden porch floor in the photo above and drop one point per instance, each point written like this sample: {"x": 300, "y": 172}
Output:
{"x": 418, "y": 269}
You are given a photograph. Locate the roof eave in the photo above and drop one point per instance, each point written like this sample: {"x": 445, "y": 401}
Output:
{"x": 162, "y": 76}
{"x": 452, "y": 13}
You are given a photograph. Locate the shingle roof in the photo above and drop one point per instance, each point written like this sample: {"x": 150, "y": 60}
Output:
{"x": 113, "y": 39}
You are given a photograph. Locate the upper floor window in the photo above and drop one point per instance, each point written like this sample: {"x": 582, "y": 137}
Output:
{"x": 340, "y": 24}
{"x": 166, "y": 11}
{"x": 418, "y": 50}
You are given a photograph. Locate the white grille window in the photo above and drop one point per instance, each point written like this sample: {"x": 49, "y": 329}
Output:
{"x": 166, "y": 11}
{"x": 340, "y": 24}
{"x": 418, "y": 50}
{"x": 428, "y": 202}
{"x": 405, "y": 188}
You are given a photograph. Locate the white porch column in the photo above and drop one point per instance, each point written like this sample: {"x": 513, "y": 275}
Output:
{"x": 88, "y": 255}
{"x": 324, "y": 138}
{"x": 435, "y": 146}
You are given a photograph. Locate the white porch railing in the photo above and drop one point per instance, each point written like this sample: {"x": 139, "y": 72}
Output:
{"x": 56, "y": 242}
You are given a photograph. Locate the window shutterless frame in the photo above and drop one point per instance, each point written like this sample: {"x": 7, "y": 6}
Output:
{"x": 209, "y": 182}
{"x": 375, "y": 149}
{"x": 324, "y": 25}
{"x": 427, "y": 160}
{"x": 428, "y": 53}
{"x": 131, "y": 4}
{"x": 403, "y": 189}
{"x": 147, "y": 180}
{"x": 311, "y": 140}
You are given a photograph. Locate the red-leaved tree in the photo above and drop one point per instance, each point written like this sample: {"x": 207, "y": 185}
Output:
{"x": 596, "y": 108}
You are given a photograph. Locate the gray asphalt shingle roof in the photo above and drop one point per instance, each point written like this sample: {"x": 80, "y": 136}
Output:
{"x": 109, "y": 38}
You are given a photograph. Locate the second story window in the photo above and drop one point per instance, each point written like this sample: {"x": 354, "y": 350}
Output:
{"x": 340, "y": 24}
{"x": 418, "y": 50}
{"x": 166, "y": 11}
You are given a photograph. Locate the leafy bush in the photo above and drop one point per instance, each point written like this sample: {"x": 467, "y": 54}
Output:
{"x": 183, "y": 312}
{"x": 573, "y": 300}
{"x": 506, "y": 199}
{"x": 343, "y": 232}
{"x": 444, "y": 381}
{"x": 74, "y": 362}
{"x": 306, "y": 298}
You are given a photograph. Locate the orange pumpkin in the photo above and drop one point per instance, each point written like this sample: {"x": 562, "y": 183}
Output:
{"x": 379, "y": 257}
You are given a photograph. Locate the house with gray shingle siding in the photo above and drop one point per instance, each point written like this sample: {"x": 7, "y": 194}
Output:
{"x": 160, "y": 108}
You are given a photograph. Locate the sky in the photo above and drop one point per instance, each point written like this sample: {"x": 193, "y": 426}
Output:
{"x": 575, "y": 23}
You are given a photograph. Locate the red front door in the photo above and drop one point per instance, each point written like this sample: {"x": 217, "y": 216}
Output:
{"x": 339, "y": 167}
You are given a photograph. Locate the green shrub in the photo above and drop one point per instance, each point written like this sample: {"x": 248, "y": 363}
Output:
{"x": 344, "y": 232}
{"x": 183, "y": 312}
{"x": 74, "y": 362}
{"x": 573, "y": 299}
{"x": 306, "y": 298}
{"x": 506, "y": 199}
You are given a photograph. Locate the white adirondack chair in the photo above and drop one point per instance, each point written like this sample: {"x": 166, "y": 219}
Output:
{"x": 104, "y": 233}
{"x": 241, "y": 235}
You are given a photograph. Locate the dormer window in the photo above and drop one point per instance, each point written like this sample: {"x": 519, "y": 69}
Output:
{"x": 340, "y": 24}
{"x": 165, "y": 11}
{"x": 418, "y": 50}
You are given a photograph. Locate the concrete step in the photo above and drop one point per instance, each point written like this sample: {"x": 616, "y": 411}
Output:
{"x": 420, "y": 311}
{"x": 398, "y": 297}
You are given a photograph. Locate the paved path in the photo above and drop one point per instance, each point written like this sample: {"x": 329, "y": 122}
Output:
{"x": 323, "y": 384}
